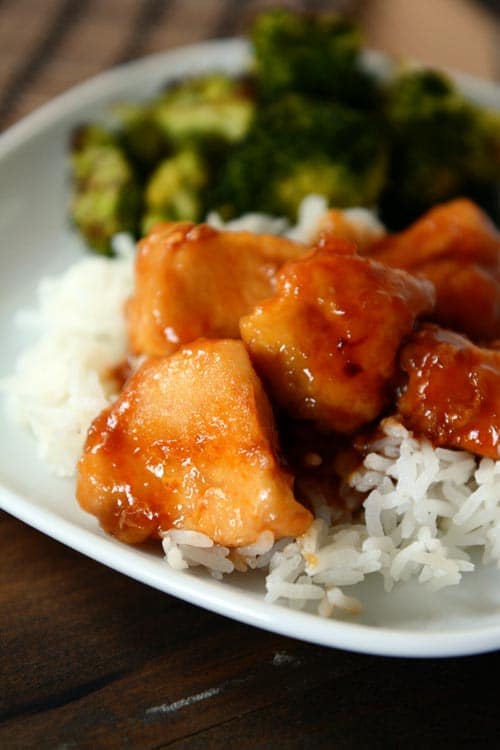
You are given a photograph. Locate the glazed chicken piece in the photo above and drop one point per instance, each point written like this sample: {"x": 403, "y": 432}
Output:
{"x": 467, "y": 297}
{"x": 326, "y": 343}
{"x": 356, "y": 224}
{"x": 195, "y": 281}
{"x": 453, "y": 391}
{"x": 191, "y": 444}
{"x": 457, "y": 247}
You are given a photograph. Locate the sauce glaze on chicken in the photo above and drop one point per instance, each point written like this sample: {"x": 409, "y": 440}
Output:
{"x": 457, "y": 247}
{"x": 340, "y": 340}
{"x": 453, "y": 391}
{"x": 326, "y": 343}
{"x": 190, "y": 443}
{"x": 194, "y": 281}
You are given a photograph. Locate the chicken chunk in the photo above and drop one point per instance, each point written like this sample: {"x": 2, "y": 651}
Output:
{"x": 356, "y": 224}
{"x": 467, "y": 297}
{"x": 457, "y": 247}
{"x": 195, "y": 281}
{"x": 190, "y": 444}
{"x": 453, "y": 391}
{"x": 326, "y": 343}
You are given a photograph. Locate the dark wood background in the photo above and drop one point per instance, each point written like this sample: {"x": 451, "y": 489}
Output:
{"x": 92, "y": 659}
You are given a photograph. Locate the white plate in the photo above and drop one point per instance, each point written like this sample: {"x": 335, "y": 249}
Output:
{"x": 35, "y": 239}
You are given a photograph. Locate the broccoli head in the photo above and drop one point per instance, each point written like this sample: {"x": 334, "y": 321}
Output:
{"x": 316, "y": 55}
{"x": 140, "y": 135}
{"x": 203, "y": 110}
{"x": 299, "y": 146}
{"x": 106, "y": 195}
{"x": 174, "y": 191}
{"x": 441, "y": 146}
{"x": 90, "y": 134}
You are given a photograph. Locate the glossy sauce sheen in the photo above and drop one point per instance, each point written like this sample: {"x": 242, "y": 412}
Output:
{"x": 453, "y": 391}
{"x": 326, "y": 343}
{"x": 457, "y": 247}
{"x": 194, "y": 281}
{"x": 339, "y": 224}
{"x": 190, "y": 444}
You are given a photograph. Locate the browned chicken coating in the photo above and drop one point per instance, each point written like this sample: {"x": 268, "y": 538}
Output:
{"x": 467, "y": 297}
{"x": 195, "y": 281}
{"x": 326, "y": 343}
{"x": 453, "y": 391}
{"x": 357, "y": 225}
{"x": 190, "y": 443}
{"x": 457, "y": 247}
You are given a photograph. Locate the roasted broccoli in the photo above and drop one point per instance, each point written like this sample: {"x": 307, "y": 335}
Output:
{"x": 310, "y": 54}
{"x": 106, "y": 196}
{"x": 307, "y": 119}
{"x": 212, "y": 108}
{"x": 298, "y": 146}
{"x": 84, "y": 138}
{"x": 174, "y": 191}
{"x": 140, "y": 135}
{"x": 441, "y": 146}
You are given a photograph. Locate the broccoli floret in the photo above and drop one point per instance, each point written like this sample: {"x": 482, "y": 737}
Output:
{"x": 336, "y": 181}
{"x": 441, "y": 146}
{"x": 90, "y": 134}
{"x": 174, "y": 191}
{"x": 211, "y": 108}
{"x": 316, "y": 55}
{"x": 106, "y": 195}
{"x": 141, "y": 136}
{"x": 298, "y": 146}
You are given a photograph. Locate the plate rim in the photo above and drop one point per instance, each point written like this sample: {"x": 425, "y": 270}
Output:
{"x": 208, "y": 594}
{"x": 44, "y": 115}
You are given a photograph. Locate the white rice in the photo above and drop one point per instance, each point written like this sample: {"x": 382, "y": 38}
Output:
{"x": 425, "y": 508}
{"x": 310, "y": 213}
{"x": 63, "y": 380}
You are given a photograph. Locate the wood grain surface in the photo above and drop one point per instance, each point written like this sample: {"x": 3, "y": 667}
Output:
{"x": 92, "y": 659}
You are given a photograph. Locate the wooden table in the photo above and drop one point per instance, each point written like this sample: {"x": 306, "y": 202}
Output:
{"x": 92, "y": 659}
